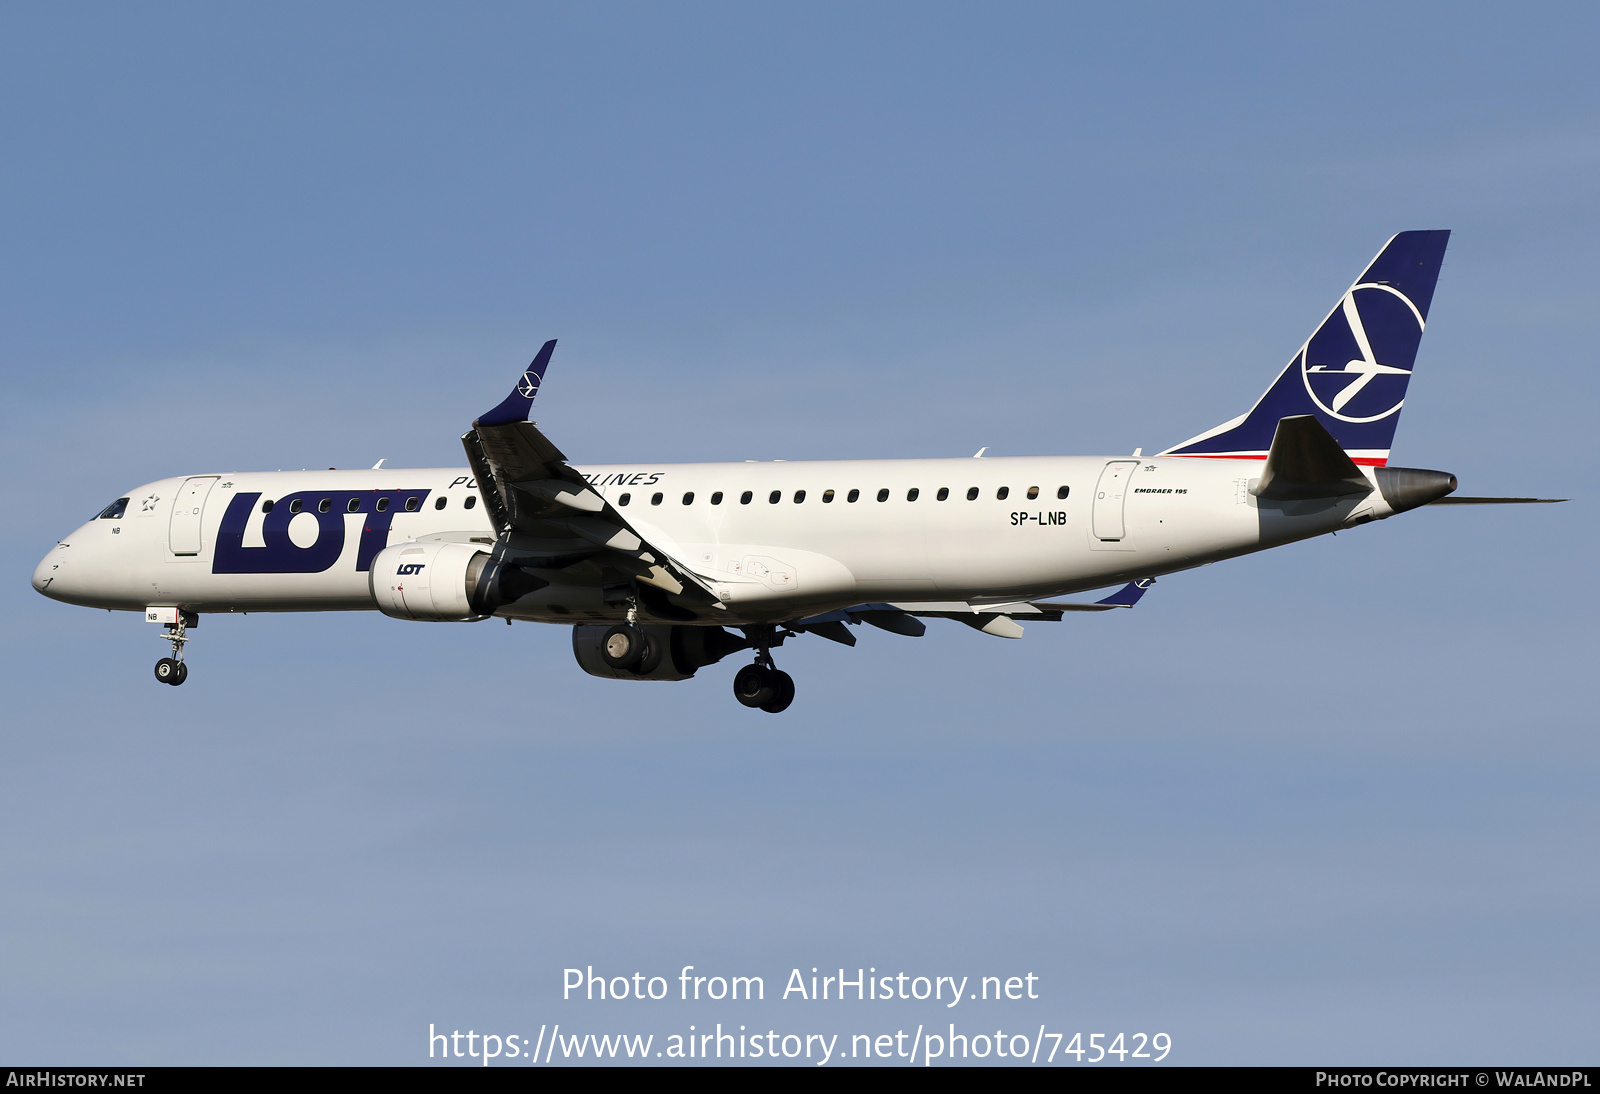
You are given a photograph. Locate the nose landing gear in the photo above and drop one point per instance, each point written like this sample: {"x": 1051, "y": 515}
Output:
{"x": 172, "y": 670}
{"x": 763, "y": 685}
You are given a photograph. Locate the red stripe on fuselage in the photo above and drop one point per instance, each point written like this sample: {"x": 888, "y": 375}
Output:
{"x": 1368, "y": 461}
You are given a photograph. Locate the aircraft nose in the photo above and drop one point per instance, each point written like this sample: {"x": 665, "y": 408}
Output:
{"x": 48, "y": 575}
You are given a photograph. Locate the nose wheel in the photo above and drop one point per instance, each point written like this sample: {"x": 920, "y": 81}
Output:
{"x": 764, "y": 686}
{"x": 172, "y": 670}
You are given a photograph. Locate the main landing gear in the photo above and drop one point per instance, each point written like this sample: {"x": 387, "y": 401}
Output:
{"x": 763, "y": 685}
{"x": 172, "y": 670}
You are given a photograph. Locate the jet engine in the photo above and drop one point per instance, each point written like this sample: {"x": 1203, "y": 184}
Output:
{"x": 433, "y": 582}
{"x": 670, "y": 652}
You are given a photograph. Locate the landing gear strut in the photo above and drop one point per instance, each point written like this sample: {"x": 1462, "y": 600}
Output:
{"x": 172, "y": 670}
{"x": 763, "y": 685}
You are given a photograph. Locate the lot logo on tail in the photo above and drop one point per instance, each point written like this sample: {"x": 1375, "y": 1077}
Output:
{"x": 1343, "y": 366}
{"x": 1352, "y": 373}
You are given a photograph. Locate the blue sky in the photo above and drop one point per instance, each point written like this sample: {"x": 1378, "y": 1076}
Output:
{"x": 1331, "y": 804}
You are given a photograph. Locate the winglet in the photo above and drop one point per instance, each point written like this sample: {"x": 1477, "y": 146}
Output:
{"x": 1129, "y": 594}
{"x": 520, "y": 401}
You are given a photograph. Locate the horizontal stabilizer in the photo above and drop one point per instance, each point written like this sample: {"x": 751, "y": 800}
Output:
{"x": 1453, "y": 500}
{"x": 1306, "y": 462}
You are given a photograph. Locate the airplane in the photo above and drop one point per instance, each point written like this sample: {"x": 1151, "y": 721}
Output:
{"x": 663, "y": 569}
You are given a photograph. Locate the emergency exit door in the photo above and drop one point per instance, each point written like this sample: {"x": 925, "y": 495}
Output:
{"x": 183, "y": 534}
{"x": 1109, "y": 495}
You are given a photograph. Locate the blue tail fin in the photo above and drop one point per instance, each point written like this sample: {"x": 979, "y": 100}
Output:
{"x": 1352, "y": 373}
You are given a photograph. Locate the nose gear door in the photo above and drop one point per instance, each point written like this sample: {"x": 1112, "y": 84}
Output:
{"x": 183, "y": 534}
{"x": 1109, "y": 495}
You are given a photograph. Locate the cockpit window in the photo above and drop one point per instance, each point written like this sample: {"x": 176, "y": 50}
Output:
{"x": 115, "y": 510}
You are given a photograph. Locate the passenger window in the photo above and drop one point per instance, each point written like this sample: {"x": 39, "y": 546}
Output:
{"x": 295, "y": 506}
{"x": 911, "y": 495}
{"x": 437, "y": 504}
{"x": 1033, "y": 493}
{"x": 944, "y": 493}
{"x": 383, "y": 506}
{"x": 853, "y": 496}
{"x": 324, "y": 505}
{"x": 655, "y": 499}
{"x": 472, "y": 500}
{"x": 1003, "y": 493}
{"x": 799, "y": 496}
{"x": 1062, "y": 492}
{"x": 412, "y": 505}
{"x": 625, "y": 499}
{"x": 775, "y": 497}
{"x": 266, "y": 506}
{"x": 354, "y": 505}
{"x": 827, "y": 497}
{"x": 113, "y": 511}
{"x": 883, "y": 495}
{"x": 688, "y": 497}
{"x": 744, "y": 498}
{"x": 716, "y": 499}
{"x": 972, "y": 493}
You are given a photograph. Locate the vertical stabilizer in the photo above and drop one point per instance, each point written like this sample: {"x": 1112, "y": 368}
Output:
{"x": 1352, "y": 373}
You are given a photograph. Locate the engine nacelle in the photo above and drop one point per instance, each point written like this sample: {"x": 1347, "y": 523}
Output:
{"x": 678, "y": 651}
{"x": 433, "y": 582}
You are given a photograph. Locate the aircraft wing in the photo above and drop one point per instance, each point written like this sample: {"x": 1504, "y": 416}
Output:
{"x": 543, "y": 508}
{"x": 998, "y": 619}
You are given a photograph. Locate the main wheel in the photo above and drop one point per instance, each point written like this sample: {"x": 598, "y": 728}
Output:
{"x": 753, "y": 686}
{"x": 623, "y": 647}
{"x": 169, "y": 671}
{"x": 782, "y": 692}
{"x": 183, "y": 674}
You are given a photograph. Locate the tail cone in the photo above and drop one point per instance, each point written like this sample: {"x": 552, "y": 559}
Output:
{"x": 1409, "y": 487}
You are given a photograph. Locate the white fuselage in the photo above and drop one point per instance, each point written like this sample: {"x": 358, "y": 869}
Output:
{"x": 196, "y": 543}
